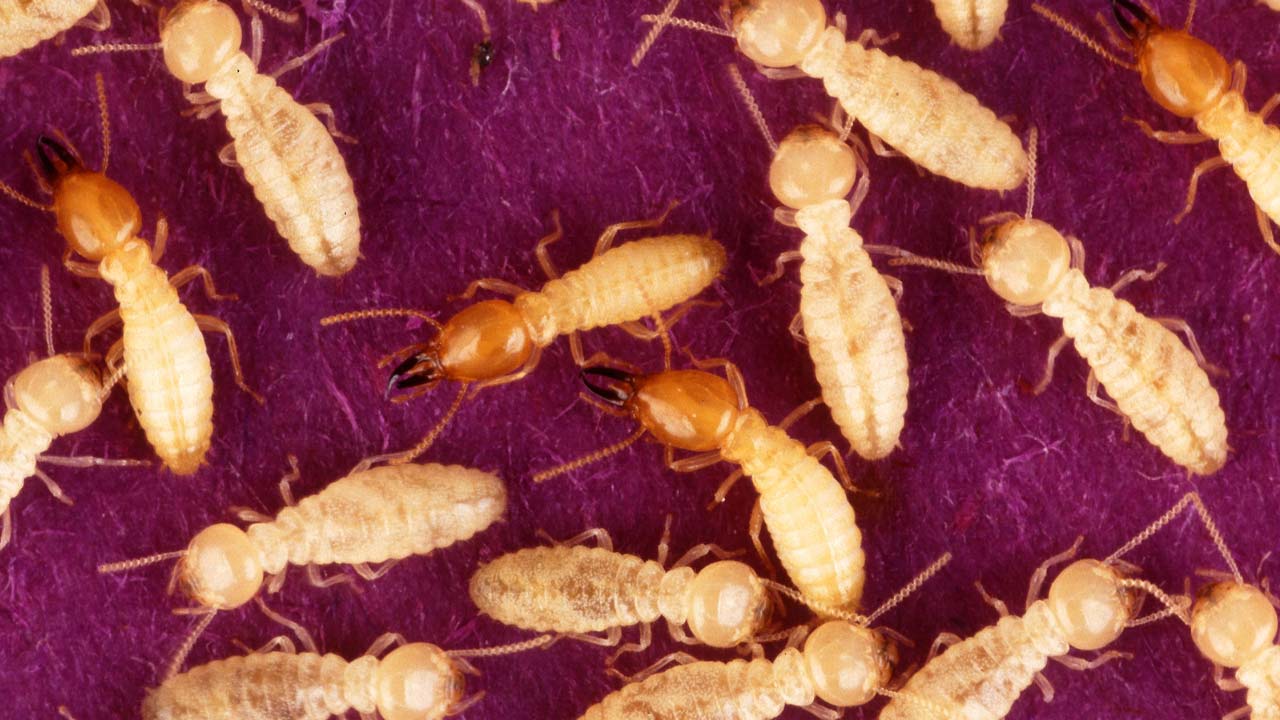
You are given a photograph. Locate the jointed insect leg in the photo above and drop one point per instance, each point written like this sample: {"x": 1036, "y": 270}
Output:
{"x": 605, "y": 241}
{"x": 1239, "y": 713}
{"x": 385, "y": 642}
{"x": 1091, "y": 389}
{"x": 300, "y": 632}
{"x": 1269, "y": 107}
{"x": 227, "y": 155}
{"x": 755, "y": 527}
{"x": 599, "y": 535}
{"x": 302, "y": 59}
{"x": 502, "y": 287}
{"x": 1080, "y": 664}
{"x": 1054, "y": 351}
{"x": 528, "y": 367}
{"x": 1046, "y": 687}
{"x": 646, "y": 639}
{"x": 53, "y": 488}
{"x": 208, "y": 323}
{"x": 822, "y": 449}
{"x": 697, "y": 552}
{"x": 675, "y": 658}
{"x": 994, "y": 602}
{"x": 80, "y": 269}
{"x": 796, "y": 328}
{"x": 317, "y": 580}
{"x": 881, "y": 149}
{"x": 1169, "y": 137}
{"x": 186, "y": 275}
{"x": 97, "y": 327}
{"x": 693, "y": 463}
{"x": 371, "y": 573}
{"x": 1077, "y": 252}
{"x": 6, "y": 527}
{"x": 822, "y": 712}
{"x": 611, "y": 637}
{"x": 999, "y": 217}
{"x": 98, "y": 19}
{"x": 286, "y": 493}
{"x": 540, "y": 250}
{"x": 250, "y": 515}
{"x": 1042, "y": 572}
{"x": 799, "y": 413}
{"x": 780, "y": 267}
{"x": 325, "y": 110}
{"x": 731, "y": 373}
{"x": 1137, "y": 274}
{"x": 1178, "y": 325}
{"x": 944, "y": 640}
{"x": 874, "y": 39}
{"x": 1264, "y": 225}
{"x": 1201, "y": 170}
{"x": 281, "y": 643}
{"x": 113, "y": 361}
{"x": 1225, "y": 683}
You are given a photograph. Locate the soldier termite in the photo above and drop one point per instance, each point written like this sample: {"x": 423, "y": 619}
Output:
{"x": 52, "y": 397}
{"x": 494, "y": 342}
{"x": 575, "y": 590}
{"x": 844, "y": 663}
{"x": 286, "y": 154}
{"x": 26, "y": 24}
{"x": 849, "y": 316}
{"x": 921, "y": 114}
{"x": 972, "y": 24}
{"x": 1155, "y": 382}
{"x": 805, "y": 508}
{"x": 169, "y": 378}
{"x": 1191, "y": 79}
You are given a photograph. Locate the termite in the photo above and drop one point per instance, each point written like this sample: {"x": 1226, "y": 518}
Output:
{"x": 574, "y": 590}
{"x": 495, "y": 342}
{"x": 167, "y": 368}
{"x": 923, "y": 115}
{"x": 27, "y": 24}
{"x": 56, "y": 396}
{"x": 805, "y": 508}
{"x": 415, "y": 681}
{"x": 1155, "y": 382}
{"x": 1191, "y": 79}
{"x": 848, "y": 314}
{"x": 844, "y": 663}
{"x": 287, "y": 155}
{"x": 972, "y": 24}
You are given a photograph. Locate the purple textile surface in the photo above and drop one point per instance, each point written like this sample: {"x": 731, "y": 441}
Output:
{"x": 457, "y": 183}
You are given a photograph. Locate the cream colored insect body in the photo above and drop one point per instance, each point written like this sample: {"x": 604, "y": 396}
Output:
{"x": 577, "y": 590}
{"x": 25, "y": 24}
{"x": 972, "y": 24}
{"x": 921, "y": 114}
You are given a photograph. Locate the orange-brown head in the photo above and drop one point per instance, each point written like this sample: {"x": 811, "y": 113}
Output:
{"x": 1183, "y": 73}
{"x": 95, "y": 214}
{"x": 486, "y": 340}
{"x": 686, "y": 409}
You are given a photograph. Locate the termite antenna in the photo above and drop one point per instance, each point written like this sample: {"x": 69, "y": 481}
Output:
{"x": 1216, "y": 535}
{"x": 1151, "y": 529}
{"x": 916, "y": 583}
{"x": 46, "y": 306}
{"x": 304, "y": 637}
{"x": 664, "y": 19}
{"x": 106, "y": 121}
{"x": 380, "y": 313}
{"x": 188, "y": 643}
{"x": 1033, "y": 139}
{"x": 590, "y": 458}
{"x": 1192, "y": 499}
{"x": 815, "y": 605}
{"x": 116, "y": 47}
{"x": 271, "y": 11}
{"x": 1172, "y": 606}
{"x": 111, "y": 381}
{"x": 1080, "y": 35}
{"x": 15, "y": 195}
{"x": 123, "y": 565}
{"x": 752, "y": 107}
{"x": 426, "y": 442}
{"x": 651, "y": 37}
{"x": 541, "y": 641}
{"x": 905, "y": 258}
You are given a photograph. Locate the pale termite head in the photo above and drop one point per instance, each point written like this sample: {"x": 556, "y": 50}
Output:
{"x": 1024, "y": 260}
{"x": 686, "y": 409}
{"x": 221, "y": 569}
{"x": 1091, "y": 604}
{"x": 1183, "y": 73}
{"x": 198, "y": 37}
{"x": 848, "y": 663}
{"x": 61, "y": 393}
{"x": 812, "y": 165}
{"x": 95, "y": 214}
{"x": 728, "y": 604}
{"x": 1232, "y": 622}
{"x": 417, "y": 681}
{"x": 483, "y": 341}
{"x": 777, "y": 33}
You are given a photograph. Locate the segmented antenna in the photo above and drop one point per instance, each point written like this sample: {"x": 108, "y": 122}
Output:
{"x": 1084, "y": 38}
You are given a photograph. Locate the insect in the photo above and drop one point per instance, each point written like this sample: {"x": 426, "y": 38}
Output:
{"x": 972, "y": 24}
{"x": 415, "y": 681}
{"x": 495, "y": 342}
{"x": 921, "y": 114}
{"x": 27, "y": 24}
{"x": 849, "y": 317}
{"x": 844, "y": 663}
{"x": 56, "y": 396}
{"x": 573, "y": 589}
{"x": 808, "y": 515}
{"x": 170, "y": 380}
{"x": 287, "y": 155}
{"x": 1157, "y": 383}
{"x": 1191, "y": 79}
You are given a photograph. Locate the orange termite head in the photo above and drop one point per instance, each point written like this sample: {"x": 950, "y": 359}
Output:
{"x": 486, "y": 340}
{"x": 1182, "y": 73}
{"x": 687, "y": 409}
{"x": 418, "y": 681}
{"x": 95, "y": 214}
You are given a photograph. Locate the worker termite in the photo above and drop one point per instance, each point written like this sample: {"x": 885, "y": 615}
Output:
{"x": 1155, "y": 382}
{"x": 287, "y": 155}
{"x": 169, "y": 377}
{"x": 27, "y": 24}
{"x": 415, "y": 681}
{"x": 575, "y": 590}
{"x": 808, "y": 515}
{"x": 1191, "y": 79}
{"x": 849, "y": 317}
{"x": 844, "y": 663}
{"x": 972, "y": 24}
{"x": 494, "y": 342}
{"x": 56, "y": 396}
{"x": 921, "y": 114}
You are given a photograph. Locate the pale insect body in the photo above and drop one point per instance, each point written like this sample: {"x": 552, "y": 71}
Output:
{"x": 24, "y": 25}
{"x": 972, "y": 24}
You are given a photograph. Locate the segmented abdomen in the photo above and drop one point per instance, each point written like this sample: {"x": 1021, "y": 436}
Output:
{"x": 24, "y": 24}
{"x": 21, "y": 441}
{"x": 268, "y": 686}
{"x": 568, "y": 589}
{"x": 293, "y": 165}
{"x": 628, "y": 282}
{"x": 167, "y": 364}
{"x": 736, "y": 690}
{"x": 1145, "y": 368}
{"x": 981, "y": 677}
{"x": 973, "y": 24}
{"x": 1250, "y": 145}
{"x": 806, "y": 510}
{"x": 1261, "y": 676}
{"x": 923, "y": 115}
{"x": 385, "y": 513}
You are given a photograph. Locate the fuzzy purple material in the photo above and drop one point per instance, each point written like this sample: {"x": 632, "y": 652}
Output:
{"x": 457, "y": 182}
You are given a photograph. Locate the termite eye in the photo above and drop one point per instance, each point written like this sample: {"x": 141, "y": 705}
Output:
{"x": 417, "y": 682}
{"x": 812, "y": 165}
{"x": 222, "y": 568}
{"x": 617, "y": 392}
{"x": 1231, "y": 623}
{"x": 777, "y": 33}
{"x": 848, "y": 663}
{"x": 1090, "y": 604}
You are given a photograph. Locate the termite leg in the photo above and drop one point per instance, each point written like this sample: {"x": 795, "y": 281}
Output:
{"x": 994, "y": 602}
{"x": 1239, "y": 76}
{"x": 208, "y": 323}
{"x": 611, "y": 638}
{"x": 754, "y": 529}
{"x": 540, "y": 250}
{"x": 1080, "y": 664}
{"x": 640, "y": 331}
{"x": 115, "y": 354}
{"x": 6, "y": 527}
{"x": 723, "y": 491}
{"x": 80, "y": 269}
{"x": 697, "y": 552}
{"x": 646, "y": 639}
{"x": 317, "y": 580}
{"x": 250, "y": 515}
{"x": 1269, "y": 107}
{"x": 1022, "y": 311}
{"x": 780, "y": 267}
{"x": 1169, "y": 137}
{"x": 822, "y": 449}
{"x": 277, "y": 581}
{"x": 1042, "y": 572}
{"x": 599, "y": 535}
{"x": 1091, "y": 389}
{"x": 463, "y": 705}
{"x": 681, "y": 658}
{"x": 678, "y": 634}
{"x": 186, "y": 275}
{"x": 1225, "y": 683}
{"x": 300, "y": 632}
{"x": 1201, "y": 170}
{"x": 286, "y": 493}
{"x": 97, "y": 327}
{"x": 1137, "y": 274}
{"x": 1238, "y": 714}
{"x": 895, "y": 286}
{"x": 502, "y": 287}
{"x": 731, "y": 373}
{"x": 1178, "y": 325}
{"x": 53, "y": 488}
{"x": 799, "y": 413}
{"x": 822, "y": 712}
{"x": 879, "y": 147}
{"x": 325, "y": 110}
{"x": 796, "y": 328}
{"x": 98, "y": 19}
{"x": 944, "y": 640}
{"x": 1264, "y": 225}
{"x": 870, "y": 36}
{"x": 781, "y": 73}
{"x": 370, "y": 573}
{"x": 280, "y": 643}
{"x": 295, "y": 63}
{"x": 694, "y": 463}
{"x": 1046, "y": 687}
{"x": 385, "y": 642}
{"x": 605, "y": 241}
{"x": 227, "y": 155}
{"x": 1054, "y": 351}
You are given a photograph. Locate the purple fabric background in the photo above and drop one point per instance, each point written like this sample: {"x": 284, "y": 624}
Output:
{"x": 457, "y": 182}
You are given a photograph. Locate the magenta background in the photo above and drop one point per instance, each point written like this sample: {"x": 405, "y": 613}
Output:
{"x": 456, "y": 182}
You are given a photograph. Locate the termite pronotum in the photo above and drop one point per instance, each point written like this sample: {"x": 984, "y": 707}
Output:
{"x": 1157, "y": 383}
{"x": 805, "y": 508}
{"x": 495, "y": 342}
{"x": 170, "y": 380}
{"x": 972, "y": 24}
{"x": 52, "y": 397}
{"x": 27, "y": 24}
{"x": 849, "y": 316}
{"x": 575, "y": 590}
{"x": 1191, "y": 79}
{"x": 921, "y": 114}
{"x": 844, "y": 663}
{"x": 287, "y": 155}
